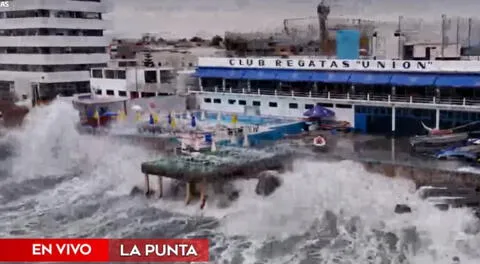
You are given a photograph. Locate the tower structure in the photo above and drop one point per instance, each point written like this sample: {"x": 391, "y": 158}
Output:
{"x": 48, "y": 47}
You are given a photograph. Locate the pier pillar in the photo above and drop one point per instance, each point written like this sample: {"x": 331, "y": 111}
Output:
{"x": 437, "y": 119}
{"x": 200, "y": 84}
{"x": 188, "y": 193}
{"x": 160, "y": 186}
{"x": 392, "y": 148}
{"x": 249, "y": 86}
{"x": 147, "y": 184}
{"x": 203, "y": 195}
{"x": 224, "y": 84}
{"x": 393, "y": 120}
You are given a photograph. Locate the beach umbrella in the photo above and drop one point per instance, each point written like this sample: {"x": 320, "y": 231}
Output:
{"x": 137, "y": 108}
{"x": 319, "y": 112}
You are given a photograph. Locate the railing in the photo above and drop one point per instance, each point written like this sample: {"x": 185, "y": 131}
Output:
{"x": 349, "y": 97}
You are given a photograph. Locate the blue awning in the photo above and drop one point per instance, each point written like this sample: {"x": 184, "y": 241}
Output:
{"x": 252, "y": 74}
{"x": 413, "y": 79}
{"x": 294, "y": 76}
{"x": 234, "y": 74}
{"x": 458, "y": 81}
{"x": 370, "y": 78}
{"x": 219, "y": 73}
{"x": 210, "y": 73}
{"x": 330, "y": 77}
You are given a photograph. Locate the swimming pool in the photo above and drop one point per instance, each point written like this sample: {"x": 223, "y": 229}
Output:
{"x": 245, "y": 119}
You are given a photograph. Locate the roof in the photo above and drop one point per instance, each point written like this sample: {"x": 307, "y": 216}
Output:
{"x": 83, "y": 99}
{"x": 140, "y": 67}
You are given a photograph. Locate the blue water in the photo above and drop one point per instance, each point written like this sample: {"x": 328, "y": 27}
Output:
{"x": 245, "y": 119}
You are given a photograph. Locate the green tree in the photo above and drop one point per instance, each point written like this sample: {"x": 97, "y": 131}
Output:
{"x": 216, "y": 41}
{"x": 148, "y": 61}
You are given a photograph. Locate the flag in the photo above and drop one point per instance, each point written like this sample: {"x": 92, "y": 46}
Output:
{"x": 150, "y": 120}
{"x": 138, "y": 116}
{"x": 173, "y": 124}
{"x": 121, "y": 115}
{"x": 169, "y": 118}
{"x": 234, "y": 119}
{"x": 194, "y": 121}
{"x": 155, "y": 118}
{"x": 96, "y": 115}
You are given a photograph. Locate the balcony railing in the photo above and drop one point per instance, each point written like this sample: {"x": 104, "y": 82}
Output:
{"x": 351, "y": 98}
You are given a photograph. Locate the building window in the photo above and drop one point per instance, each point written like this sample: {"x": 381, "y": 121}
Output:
{"x": 109, "y": 74}
{"x": 256, "y": 103}
{"x": 293, "y": 105}
{"x": 207, "y": 100}
{"x": 308, "y": 106}
{"x": 273, "y": 104}
{"x": 344, "y": 106}
{"x": 97, "y": 74}
{"x": 98, "y": 92}
{"x": 150, "y": 77}
{"x": 166, "y": 76}
{"x": 242, "y": 102}
{"x": 145, "y": 94}
{"x": 217, "y": 101}
{"x": 122, "y": 93}
{"x": 110, "y": 92}
{"x": 231, "y": 101}
{"x": 121, "y": 75}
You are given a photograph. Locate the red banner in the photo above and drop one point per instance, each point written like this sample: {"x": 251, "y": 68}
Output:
{"x": 104, "y": 250}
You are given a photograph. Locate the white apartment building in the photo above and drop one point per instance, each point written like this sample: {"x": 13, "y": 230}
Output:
{"x": 47, "y": 47}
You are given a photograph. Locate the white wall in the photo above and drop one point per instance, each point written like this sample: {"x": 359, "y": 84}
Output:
{"x": 102, "y": 7}
{"x": 53, "y": 41}
{"x": 282, "y": 109}
{"x": 135, "y": 80}
{"x": 54, "y": 22}
{"x": 52, "y": 59}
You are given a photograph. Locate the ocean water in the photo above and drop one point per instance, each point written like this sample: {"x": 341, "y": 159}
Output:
{"x": 57, "y": 183}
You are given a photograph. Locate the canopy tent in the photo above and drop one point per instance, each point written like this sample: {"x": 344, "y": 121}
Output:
{"x": 319, "y": 111}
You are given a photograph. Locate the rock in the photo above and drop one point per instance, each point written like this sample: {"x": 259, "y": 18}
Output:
{"x": 12, "y": 114}
{"x": 402, "y": 209}
{"x": 268, "y": 182}
{"x": 136, "y": 191}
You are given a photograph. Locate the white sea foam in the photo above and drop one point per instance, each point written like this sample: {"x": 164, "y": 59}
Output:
{"x": 48, "y": 144}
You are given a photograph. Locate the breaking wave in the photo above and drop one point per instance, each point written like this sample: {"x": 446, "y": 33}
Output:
{"x": 56, "y": 182}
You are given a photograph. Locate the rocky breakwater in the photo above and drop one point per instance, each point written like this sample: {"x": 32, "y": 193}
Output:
{"x": 11, "y": 114}
{"x": 424, "y": 175}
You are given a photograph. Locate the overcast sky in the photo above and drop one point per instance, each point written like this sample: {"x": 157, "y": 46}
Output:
{"x": 185, "y": 18}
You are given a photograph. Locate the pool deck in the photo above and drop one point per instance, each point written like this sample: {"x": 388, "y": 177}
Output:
{"x": 225, "y": 164}
{"x": 203, "y": 168}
